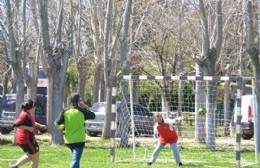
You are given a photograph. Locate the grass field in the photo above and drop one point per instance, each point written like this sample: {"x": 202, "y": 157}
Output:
{"x": 96, "y": 155}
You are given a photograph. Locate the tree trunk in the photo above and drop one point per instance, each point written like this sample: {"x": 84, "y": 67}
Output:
{"x": 97, "y": 24}
{"x": 96, "y": 86}
{"x": 227, "y": 111}
{"x": 107, "y": 124}
{"x": 165, "y": 103}
{"x": 49, "y": 103}
{"x": 253, "y": 53}
{"x": 57, "y": 92}
{"x": 82, "y": 81}
{"x": 125, "y": 66}
{"x": 210, "y": 115}
{"x": 199, "y": 119}
{"x": 124, "y": 116}
{"x": 102, "y": 87}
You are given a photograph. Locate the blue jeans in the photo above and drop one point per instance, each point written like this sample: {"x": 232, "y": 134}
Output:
{"x": 158, "y": 149}
{"x": 76, "y": 155}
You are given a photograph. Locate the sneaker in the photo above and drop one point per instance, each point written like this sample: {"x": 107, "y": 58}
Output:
{"x": 13, "y": 166}
{"x": 180, "y": 164}
{"x": 149, "y": 163}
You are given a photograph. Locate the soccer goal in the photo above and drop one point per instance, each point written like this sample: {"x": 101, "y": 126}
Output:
{"x": 208, "y": 129}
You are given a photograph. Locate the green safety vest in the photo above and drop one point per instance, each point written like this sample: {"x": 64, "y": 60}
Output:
{"x": 74, "y": 126}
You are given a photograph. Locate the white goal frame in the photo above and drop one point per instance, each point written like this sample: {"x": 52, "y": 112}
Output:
{"x": 238, "y": 80}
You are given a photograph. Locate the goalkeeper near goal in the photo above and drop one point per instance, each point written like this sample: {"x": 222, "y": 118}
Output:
{"x": 166, "y": 133}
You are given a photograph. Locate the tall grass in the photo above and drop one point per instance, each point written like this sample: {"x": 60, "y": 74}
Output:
{"x": 96, "y": 155}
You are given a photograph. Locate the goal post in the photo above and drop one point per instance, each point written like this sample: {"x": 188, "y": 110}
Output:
{"x": 206, "y": 124}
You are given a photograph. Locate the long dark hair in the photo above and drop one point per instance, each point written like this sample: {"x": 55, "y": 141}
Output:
{"x": 27, "y": 105}
{"x": 74, "y": 99}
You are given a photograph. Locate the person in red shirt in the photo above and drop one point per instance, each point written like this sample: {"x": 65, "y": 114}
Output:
{"x": 25, "y": 135}
{"x": 167, "y": 135}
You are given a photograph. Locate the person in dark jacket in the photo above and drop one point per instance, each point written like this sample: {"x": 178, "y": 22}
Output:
{"x": 25, "y": 134}
{"x": 72, "y": 121}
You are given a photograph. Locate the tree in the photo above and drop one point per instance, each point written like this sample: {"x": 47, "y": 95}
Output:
{"x": 16, "y": 47}
{"x": 57, "y": 55}
{"x": 208, "y": 65}
{"x": 12, "y": 52}
{"x": 30, "y": 77}
{"x": 79, "y": 53}
{"x": 125, "y": 66}
{"x": 97, "y": 27}
{"x": 253, "y": 50}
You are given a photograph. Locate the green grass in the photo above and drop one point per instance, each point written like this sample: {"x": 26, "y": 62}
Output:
{"x": 96, "y": 154}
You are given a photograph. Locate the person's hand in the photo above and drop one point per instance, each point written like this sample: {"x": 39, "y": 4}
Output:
{"x": 179, "y": 119}
{"x": 43, "y": 127}
{"x": 30, "y": 129}
{"x": 60, "y": 127}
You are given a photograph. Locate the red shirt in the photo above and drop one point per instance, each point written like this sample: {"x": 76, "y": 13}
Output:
{"x": 166, "y": 134}
{"x": 25, "y": 136}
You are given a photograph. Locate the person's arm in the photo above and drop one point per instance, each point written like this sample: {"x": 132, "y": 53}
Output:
{"x": 30, "y": 129}
{"x": 173, "y": 121}
{"x": 59, "y": 122}
{"x": 23, "y": 122}
{"x": 38, "y": 125}
{"x": 88, "y": 114}
{"x": 155, "y": 131}
{"x": 84, "y": 106}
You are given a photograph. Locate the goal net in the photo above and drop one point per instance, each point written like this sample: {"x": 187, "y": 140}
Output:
{"x": 207, "y": 131}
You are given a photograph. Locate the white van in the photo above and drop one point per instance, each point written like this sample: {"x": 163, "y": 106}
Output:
{"x": 247, "y": 112}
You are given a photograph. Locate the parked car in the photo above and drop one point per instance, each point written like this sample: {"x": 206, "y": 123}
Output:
{"x": 94, "y": 127}
{"x": 143, "y": 119}
{"x": 7, "y": 112}
{"x": 247, "y": 113}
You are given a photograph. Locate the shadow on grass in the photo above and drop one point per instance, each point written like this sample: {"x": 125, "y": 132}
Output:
{"x": 96, "y": 147}
{"x": 5, "y": 142}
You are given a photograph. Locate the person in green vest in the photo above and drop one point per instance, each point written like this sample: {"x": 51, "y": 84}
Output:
{"x": 72, "y": 121}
